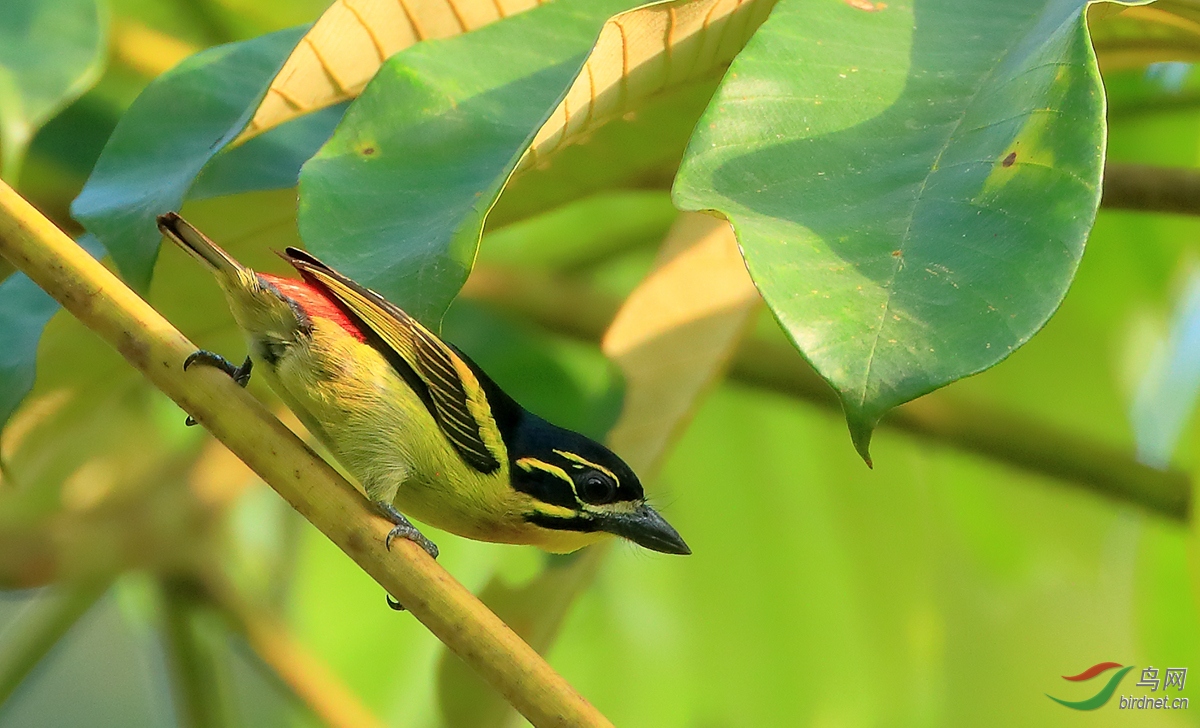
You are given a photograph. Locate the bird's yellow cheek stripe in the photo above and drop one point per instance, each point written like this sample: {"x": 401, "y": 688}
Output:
{"x": 530, "y": 464}
{"x": 554, "y": 511}
{"x": 587, "y": 463}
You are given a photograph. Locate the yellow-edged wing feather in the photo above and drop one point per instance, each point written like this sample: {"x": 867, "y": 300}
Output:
{"x": 459, "y": 403}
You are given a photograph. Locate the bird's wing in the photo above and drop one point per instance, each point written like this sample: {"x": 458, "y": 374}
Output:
{"x": 459, "y": 403}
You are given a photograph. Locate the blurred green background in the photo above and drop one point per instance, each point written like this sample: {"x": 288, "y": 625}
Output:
{"x": 938, "y": 589}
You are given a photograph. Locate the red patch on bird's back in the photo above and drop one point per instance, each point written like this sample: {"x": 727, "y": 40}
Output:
{"x": 315, "y": 302}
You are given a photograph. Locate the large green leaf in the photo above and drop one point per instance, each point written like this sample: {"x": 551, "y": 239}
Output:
{"x": 912, "y": 199}
{"x": 270, "y": 161}
{"x": 399, "y": 195}
{"x": 639, "y": 150}
{"x": 51, "y": 51}
{"x": 397, "y": 198}
{"x": 180, "y": 122}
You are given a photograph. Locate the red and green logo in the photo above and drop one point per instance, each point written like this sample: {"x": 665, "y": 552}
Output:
{"x": 1105, "y": 693}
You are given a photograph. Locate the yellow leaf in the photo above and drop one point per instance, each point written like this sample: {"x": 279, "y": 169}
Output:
{"x": 675, "y": 334}
{"x": 350, "y": 41}
{"x": 644, "y": 52}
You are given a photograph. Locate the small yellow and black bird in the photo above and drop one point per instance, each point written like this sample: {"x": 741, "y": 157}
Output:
{"x": 421, "y": 426}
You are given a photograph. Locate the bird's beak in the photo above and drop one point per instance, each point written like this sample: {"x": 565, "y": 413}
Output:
{"x": 646, "y": 528}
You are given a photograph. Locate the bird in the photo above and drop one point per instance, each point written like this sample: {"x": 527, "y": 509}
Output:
{"x": 422, "y": 428}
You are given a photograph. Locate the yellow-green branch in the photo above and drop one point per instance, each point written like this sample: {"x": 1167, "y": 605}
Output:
{"x": 105, "y": 305}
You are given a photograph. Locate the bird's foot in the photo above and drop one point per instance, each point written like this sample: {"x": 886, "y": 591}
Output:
{"x": 241, "y": 374}
{"x": 405, "y": 529}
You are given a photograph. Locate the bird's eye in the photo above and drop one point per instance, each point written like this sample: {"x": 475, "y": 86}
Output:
{"x": 598, "y": 488}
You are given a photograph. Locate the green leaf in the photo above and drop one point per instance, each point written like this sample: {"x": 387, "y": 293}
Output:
{"x": 399, "y": 195}
{"x": 640, "y": 150}
{"x": 180, "y": 122}
{"x": 397, "y": 198}
{"x": 270, "y": 161}
{"x": 913, "y": 199}
{"x": 51, "y": 52}
{"x": 25, "y": 310}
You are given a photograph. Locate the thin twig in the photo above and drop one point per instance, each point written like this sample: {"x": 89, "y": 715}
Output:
{"x": 1151, "y": 189}
{"x": 199, "y": 685}
{"x": 105, "y": 305}
{"x": 573, "y": 308}
{"x": 307, "y": 678}
{"x": 34, "y": 636}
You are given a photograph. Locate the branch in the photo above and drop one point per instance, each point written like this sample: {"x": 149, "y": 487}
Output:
{"x": 105, "y": 305}
{"x": 1151, "y": 189}
{"x": 536, "y": 610}
{"x": 571, "y": 307}
{"x": 33, "y": 637}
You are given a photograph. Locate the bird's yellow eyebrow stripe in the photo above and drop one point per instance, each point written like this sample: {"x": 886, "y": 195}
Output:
{"x": 528, "y": 464}
{"x": 588, "y": 463}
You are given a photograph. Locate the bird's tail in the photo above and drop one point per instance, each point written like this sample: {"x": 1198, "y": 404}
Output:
{"x": 257, "y": 306}
{"x": 183, "y": 234}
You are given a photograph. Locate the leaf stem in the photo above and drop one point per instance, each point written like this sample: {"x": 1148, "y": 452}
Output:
{"x": 34, "y": 637}
{"x": 573, "y": 308}
{"x": 108, "y": 307}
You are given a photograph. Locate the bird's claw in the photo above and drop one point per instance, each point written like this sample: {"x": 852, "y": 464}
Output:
{"x": 409, "y": 531}
{"x": 404, "y": 528}
{"x": 241, "y": 374}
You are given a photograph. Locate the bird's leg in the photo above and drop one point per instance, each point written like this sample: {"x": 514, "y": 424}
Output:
{"x": 403, "y": 528}
{"x": 241, "y": 374}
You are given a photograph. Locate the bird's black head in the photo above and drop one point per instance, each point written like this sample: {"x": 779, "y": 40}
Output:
{"x": 577, "y": 484}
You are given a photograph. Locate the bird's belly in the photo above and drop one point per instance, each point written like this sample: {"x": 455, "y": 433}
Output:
{"x": 378, "y": 428}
